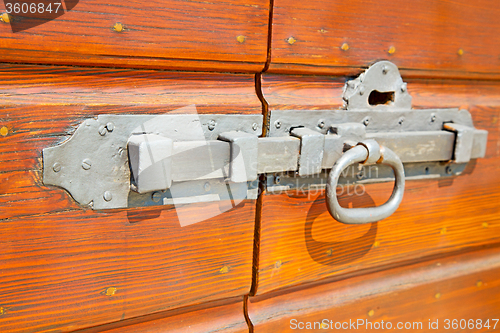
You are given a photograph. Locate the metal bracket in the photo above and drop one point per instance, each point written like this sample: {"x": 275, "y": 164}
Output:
{"x": 116, "y": 161}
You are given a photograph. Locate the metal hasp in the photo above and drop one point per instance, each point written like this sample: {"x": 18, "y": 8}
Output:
{"x": 118, "y": 161}
{"x": 416, "y": 144}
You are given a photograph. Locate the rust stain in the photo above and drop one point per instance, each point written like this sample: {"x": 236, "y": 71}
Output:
{"x": 4, "y": 131}
{"x": 224, "y": 270}
{"x": 111, "y": 291}
{"x": 344, "y": 47}
{"x": 118, "y": 27}
{"x": 241, "y": 38}
{"x": 5, "y": 18}
{"x": 291, "y": 40}
{"x": 391, "y": 50}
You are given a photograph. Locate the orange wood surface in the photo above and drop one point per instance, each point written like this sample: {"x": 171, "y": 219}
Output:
{"x": 427, "y": 38}
{"x": 229, "y": 35}
{"x": 300, "y": 242}
{"x": 225, "y": 316}
{"x": 461, "y": 287}
{"x": 64, "y": 267}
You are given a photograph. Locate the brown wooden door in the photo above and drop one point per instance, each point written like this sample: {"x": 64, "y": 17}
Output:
{"x": 255, "y": 268}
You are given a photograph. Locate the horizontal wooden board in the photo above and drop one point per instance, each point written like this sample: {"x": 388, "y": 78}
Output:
{"x": 225, "y": 316}
{"x": 65, "y": 267}
{"x": 426, "y": 38}
{"x": 300, "y": 242}
{"x": 42, "y": 106}
{"x": 229, "y": 35}
{"x": 462, "y": 287}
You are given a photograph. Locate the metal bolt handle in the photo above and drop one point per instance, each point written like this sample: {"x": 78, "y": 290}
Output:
{"x": 367, "y": 151}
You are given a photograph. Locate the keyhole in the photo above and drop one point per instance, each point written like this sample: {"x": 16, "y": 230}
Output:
{"x": 380, "y": 98}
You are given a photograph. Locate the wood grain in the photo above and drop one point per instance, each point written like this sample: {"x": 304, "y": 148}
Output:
{"x": 461, "y": 287}
{"x": 300, "y": 242}
{"x": 64, "y": 267}
{"x": 173, "y": 34}
{"x": 226, "y": 318}
{"x": 428, "y": 38}
{"x": 42, "y": 106}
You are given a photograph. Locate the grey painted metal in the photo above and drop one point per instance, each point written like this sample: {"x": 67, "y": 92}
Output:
{"x": 359, "y": 154}
{"x": 349, "y": 130}
{"x": 350, "y": 179}
{"x": 420, "y": 146}
{"x": 373, "y": 151}
{"x": 198, "y": 160}
{"x": 463, "y": 143}
{"x": 311, "y": 150}
{"x": 278, "y": 154}
{"x": 165, "y": 150}
{"x": 110, "y": 170}
{"x": 381, "y": 120}
{"x": 244, "y": 155}
{"x": 382, "y": 77}
{"x": 150, "y": 158}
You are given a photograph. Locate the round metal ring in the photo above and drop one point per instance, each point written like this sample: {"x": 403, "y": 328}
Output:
{"x": 360, "y": 154}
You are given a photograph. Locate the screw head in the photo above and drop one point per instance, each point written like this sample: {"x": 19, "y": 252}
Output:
{"x": 448, "y": 170}
{"x": 156, "y": 196}
{"x": 110, "y": 127}
{"x": 401, "y": 120}
{"x": 211, "y": 125}
{"x": 56, "y": 167}
{"x": 321, "y": 124}
{"x": 366, "y": 121}
{"x": 255, "y": 126}
{"x": 207, "y": 187}
{"x": 86, "y": 164}
{"x": 360, "y": 175}
{"x": 403, "y": 87}
{"x": 107, "y": 196}
{"x": 277, "y": 179}
{"x": 102, "y": 130}
{"x": 433, "y": 118}
{"x": 385, "y": 69}
{"x": 277, "y": 124}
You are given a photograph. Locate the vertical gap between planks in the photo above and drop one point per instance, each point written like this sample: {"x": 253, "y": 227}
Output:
{"x": 269, "y": 36}
{"x": 245, "y": 313}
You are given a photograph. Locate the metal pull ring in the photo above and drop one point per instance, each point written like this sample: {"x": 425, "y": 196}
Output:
{"x": 367, "y": 151}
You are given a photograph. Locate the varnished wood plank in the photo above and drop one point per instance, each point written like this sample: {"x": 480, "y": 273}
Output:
{"x": 300, "y": 242}
{"x": 461, "y": 287}
{"x": 66, "y": 267}
{"x": 41, "y": 107}
{"x": 173, "y": 34}
{"x": 118, "y": 264}
{"x": 227, "y": 317}
{"x": 426, "y": 38}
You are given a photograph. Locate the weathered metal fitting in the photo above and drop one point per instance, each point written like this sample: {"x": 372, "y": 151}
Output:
{"x": 381, "y": 87}
{"x": 244, "y": 155}
{"x": 373, "y": 151}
